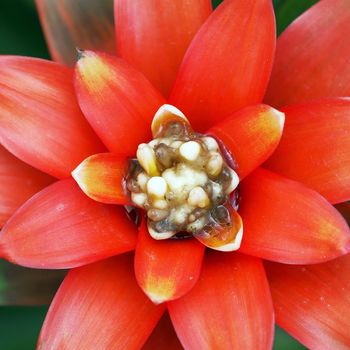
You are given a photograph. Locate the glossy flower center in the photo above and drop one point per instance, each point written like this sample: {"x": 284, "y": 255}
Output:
{"x": 180, "y": 178}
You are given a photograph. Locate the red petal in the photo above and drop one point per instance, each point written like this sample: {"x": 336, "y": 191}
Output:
{"x": 163, "y": 336}
{"x": 312, "y": 56}
{"x": 100, "y": 306}
{"x": 229, "y": 308}
{"x": 70, "y": 24}
{"x": 153, "y": 35}
{"x": 313, "y": 302}
{"x": 228, "y": 63}
{"x": 60, "y": 227}
{"x": 250, "y": 135}
{"x": 117, "y": 100}
{"x": 287, "y": 222}
{"x": 167, "y": 269}
{"x": 40, "y": 121}
{"x": 315, "y": 147}
{"x": 18, "y": 182}
{"x": 101, "y": 177}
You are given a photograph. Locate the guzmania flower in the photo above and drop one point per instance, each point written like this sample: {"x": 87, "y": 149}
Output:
{"x": 190, "y": 137}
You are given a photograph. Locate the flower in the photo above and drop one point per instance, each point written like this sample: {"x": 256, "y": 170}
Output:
{"x": 220, "y": 83}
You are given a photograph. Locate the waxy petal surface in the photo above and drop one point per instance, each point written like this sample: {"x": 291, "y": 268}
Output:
{"x": 153, "y": 35}
{"x": 163, "y": 336}
{"x": 250, "y": 135}
{"x": 100, "y": 306}
{"x": 315, "y": 147}
{"x": 228, "y": 63}
{"x": 312, "y": 303}
{"x": 101, "y": 177}
{"x": 71, "y": 24}
{"x": 167, "y": 269}
{"x": 18, "y": 182}
{"x": 287, "y": 222}
{"x": 310, "y": 65}
{"x": 40, "y": 121}
{"x": 61, "y": 227}
{"x": 230, "y": 307}
{"x": 118, "y": 101}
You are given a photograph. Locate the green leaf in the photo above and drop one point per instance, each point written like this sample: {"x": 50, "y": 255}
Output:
{"x": 22, "y": 286}
{"x": 20, "y": 30}
{"x": 283, "y": 341}
{"x": 20, "y": 327}
{"x": 287, "y": 11}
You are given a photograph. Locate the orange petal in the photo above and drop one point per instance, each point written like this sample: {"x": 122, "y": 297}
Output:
{"x": 69, "y": 24}
{"x": 61, "y": 227}
{"x": 18, "y": 182}
{"x": 40, "y": 121}
{"x": 229, "y": 308}
{"x": 167, "y": 269}
{"x": 309, "y": 65}
{"x": 118, "y": 101}
{"x": 101, "y": 177}
{"x": 312, "y": 303}
{"x": 100, "y": 306}
{"x": 250, "y": 135}
{"x": 287, "y": 222}
{"x": 163, "y": 336}
{"x": 315, "y": 147}
{"x": 228, "y": 63}
{"x": 153, "y": 35}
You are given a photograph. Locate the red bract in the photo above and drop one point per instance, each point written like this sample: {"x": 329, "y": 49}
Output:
{"x": 53, "y": 119}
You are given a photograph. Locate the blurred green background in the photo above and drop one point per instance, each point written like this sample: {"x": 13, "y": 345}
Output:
{"x": 20, "y": 34}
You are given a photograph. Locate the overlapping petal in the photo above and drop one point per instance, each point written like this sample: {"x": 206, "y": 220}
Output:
{"x": 228, "y": 63}
{"x": 68, "y": 24}
{"x": 163, "y": 336}
{"x": 40, "y": 120}
{"x": 118, "y": 101}
{"x": 61, "y": 227}
{"x": 153, "y": 35}
{"x": 168, "y": 269}
{"x": 101, "y": 177}
{"x": 287, "y": 222}
{"x": 18, "y": 182}
{"x": 230, "y": 307}
{"x": 311, "y": 65}
{"x": 315, "y": 147}
{"x": 312, "y": 302}
{"x": 100, "y": 306}
{"x": 250, "y": 135}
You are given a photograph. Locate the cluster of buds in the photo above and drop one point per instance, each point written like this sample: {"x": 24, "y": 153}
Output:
{"x": 180, "y": 178}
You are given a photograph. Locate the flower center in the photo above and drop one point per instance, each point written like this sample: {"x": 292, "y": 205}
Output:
{"x": 182, "y": 180}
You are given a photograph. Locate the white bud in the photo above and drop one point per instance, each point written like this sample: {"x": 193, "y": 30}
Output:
{"x": 160, "y": 235}
{"x": 214, "y": 165}
{"x": 198, "y": 198}
{"x": 142, "y": 180}
{"x": 210, "y": 143}
{"x": 160, "y": 204}
{"x": 190, "y": 150}
{"x": 139, "y": 198}
{"x": 147, "y": 159}
{"x": 157, "y": 187}
{"x": 234, "y": 182}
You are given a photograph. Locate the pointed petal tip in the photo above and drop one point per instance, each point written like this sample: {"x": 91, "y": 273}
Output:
{"x": 280, "y": 116}
{"x": 101, "y": 177}
{"x": 159, "y": 296}
{"x": 234, "y": 245}
{"x": 80, "y": 53}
